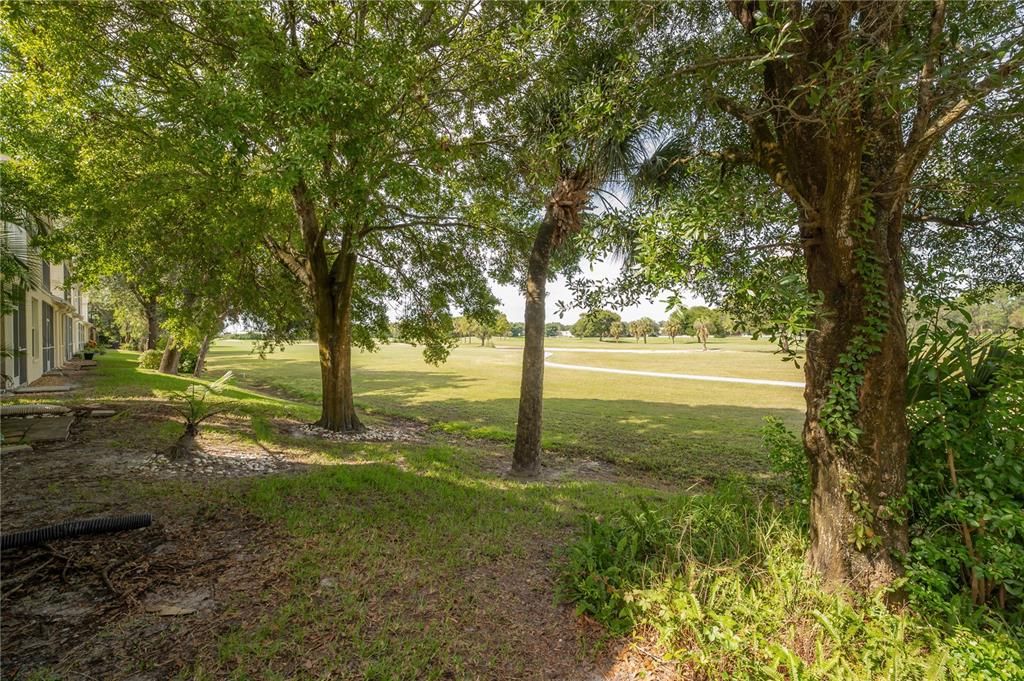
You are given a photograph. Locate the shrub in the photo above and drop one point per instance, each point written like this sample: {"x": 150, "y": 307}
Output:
{"x": 610, "y": 560}
{"x": 150, "y": 359}
{"x": 787, "y": 458}
{"x": 720, "y": 582}
{"x": 966, "y": 477}
{"x": 187, "y": 360}
{"x": 192, "y": 403}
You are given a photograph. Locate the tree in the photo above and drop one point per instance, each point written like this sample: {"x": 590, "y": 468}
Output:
{"x": 552, "y": 329}
{"x": 463, "y": 327}
{"x": 517, "y": 329}
{"x": 617, "y": 329}
{"x": 671, "y": 328}
{"x": 345, "y": 121}
{"x": 501, "y": 327}
{"x": 839, "y": 106}
{"x": 575, "y": 128}
{"x": 700, "y": 330}
{"x": 642, "y": 328}
{"x": 595, "y": 324}
{"x": 497, "y": 326}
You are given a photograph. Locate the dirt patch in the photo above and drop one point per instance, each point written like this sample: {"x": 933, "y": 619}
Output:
{"x": 136, "y": 603}
{"x": 496, "y": 459}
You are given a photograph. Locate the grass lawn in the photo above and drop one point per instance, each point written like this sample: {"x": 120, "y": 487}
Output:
{"x": 673, "y": 428}
{"x": 414, "y": 560}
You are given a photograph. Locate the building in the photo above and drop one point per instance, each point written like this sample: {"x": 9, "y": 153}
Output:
{"x": 47, "y": 325}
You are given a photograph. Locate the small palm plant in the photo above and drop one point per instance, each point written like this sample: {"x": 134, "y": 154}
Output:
{"x": 192, "y": 404}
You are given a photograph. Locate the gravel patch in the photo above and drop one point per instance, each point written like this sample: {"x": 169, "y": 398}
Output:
{"x": 399, "y": 431}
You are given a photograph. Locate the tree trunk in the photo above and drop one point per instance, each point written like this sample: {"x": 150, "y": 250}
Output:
{"x": 330, "y": 282}
{"x": 859, "y": 349}
{"x": 171, "y": 358}
{"x": 526, "y": 456}
{"x": 152, "y": 323}
{"x": 204, "y": 347}
{"x": 185, "y": 445}
{"x": 334, "y": 338}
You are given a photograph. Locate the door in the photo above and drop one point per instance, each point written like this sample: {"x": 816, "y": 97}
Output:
{"x": 20, "y": 343}
{"x": 48, "y": 358}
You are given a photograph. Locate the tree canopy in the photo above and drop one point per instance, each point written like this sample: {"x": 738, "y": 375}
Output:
{"x": 814, "y": 170}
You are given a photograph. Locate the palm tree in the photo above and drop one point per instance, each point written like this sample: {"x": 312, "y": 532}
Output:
{"x": 592, "y": 156}
{"x": 671, "y": 328}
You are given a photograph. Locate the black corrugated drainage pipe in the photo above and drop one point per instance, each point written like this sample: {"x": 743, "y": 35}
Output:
{"x": 75, "y": 528}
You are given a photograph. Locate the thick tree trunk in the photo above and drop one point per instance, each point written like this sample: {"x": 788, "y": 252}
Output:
{"x": 334, "y": 338}
{"x": 152, "y": 323}
{"x": 171, "y": 358}
{"x": 858, "y": 349}
{"x": 330, "y": 283}
{"x": 204, "y": 348}
{"x": 526, "y": 456}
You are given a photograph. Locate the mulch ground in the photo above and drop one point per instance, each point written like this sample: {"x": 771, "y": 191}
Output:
{"x": 136, "y": 604}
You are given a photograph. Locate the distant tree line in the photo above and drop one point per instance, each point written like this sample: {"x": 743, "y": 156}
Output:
{"x": 683, "y": 321}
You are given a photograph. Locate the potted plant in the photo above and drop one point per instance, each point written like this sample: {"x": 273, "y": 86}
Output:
{"x": 90, "y": 350}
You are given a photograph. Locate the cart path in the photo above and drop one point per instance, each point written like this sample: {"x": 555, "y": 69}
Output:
{"x": 658, "y": 374}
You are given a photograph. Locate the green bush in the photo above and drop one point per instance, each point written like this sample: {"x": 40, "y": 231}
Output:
{"x": 720, "y": 582}
{"x": 787, "y": 458}
{"x": 187, "y": 360}
{"x": 608, "y": 561}
{"x": 966, "y": 477}
{"x": 150, "y": 359}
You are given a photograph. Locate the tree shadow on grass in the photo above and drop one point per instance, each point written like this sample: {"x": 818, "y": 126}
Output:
{"x": 669, "y": 439}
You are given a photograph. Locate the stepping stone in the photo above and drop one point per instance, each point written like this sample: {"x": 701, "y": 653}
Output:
{"x": 27, "y": 430}
{"x": 102, "y": 413}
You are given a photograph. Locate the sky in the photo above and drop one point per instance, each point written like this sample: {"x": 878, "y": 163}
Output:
{"x": 513, "y": 306}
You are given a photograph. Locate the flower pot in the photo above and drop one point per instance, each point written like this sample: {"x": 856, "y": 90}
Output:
{"x": 88, "y": 355}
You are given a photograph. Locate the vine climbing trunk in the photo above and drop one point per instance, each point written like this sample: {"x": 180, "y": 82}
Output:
{"x": 526, "y": 455}
{"x": 855, "y": 433}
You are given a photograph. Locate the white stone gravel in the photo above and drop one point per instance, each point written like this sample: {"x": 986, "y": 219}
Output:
{"x": 377, "y": 433}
